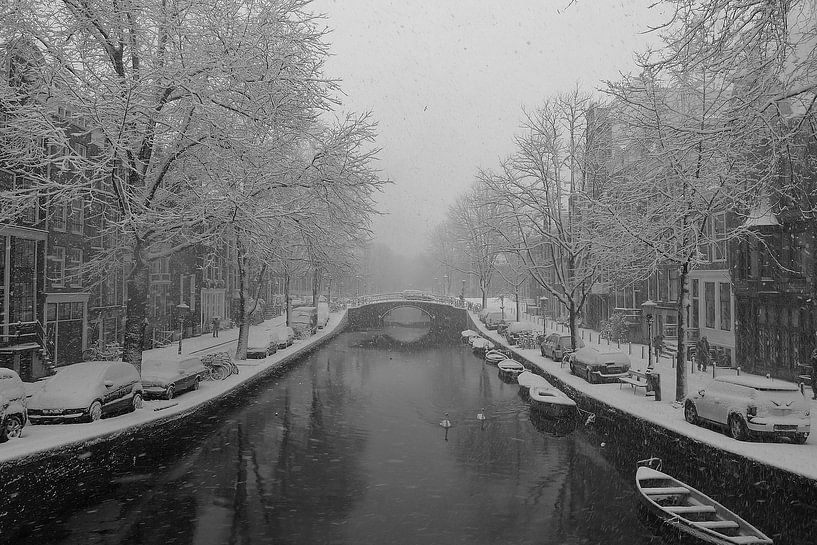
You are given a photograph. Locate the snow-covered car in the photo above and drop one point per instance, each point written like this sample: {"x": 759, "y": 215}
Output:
{"x": 164, "y": 378}
{"x": 282, "y": 336}
{"x": 556, "y": 345}
{"x": 493, "y": 319}
{"x": 749, "y": 405}
{"x": 515, "y": 329}
{"x": 86, "y": 391}
{"x": 600, "y": 364}
{"x": 323, "y": 314}
{"x": 13, "y": 411}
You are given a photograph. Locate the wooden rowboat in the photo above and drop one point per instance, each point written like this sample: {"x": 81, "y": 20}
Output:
{"x": 551, "y": 401}
{"x": 494, "y": 356}
{"x": 693, "y": 513}
{"x": 510, "y": 367}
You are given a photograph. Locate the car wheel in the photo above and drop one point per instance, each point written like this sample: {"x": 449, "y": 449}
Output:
{"x": 737, "y": 428}
{"x": 800, "y": 438}
{"x": 690, "y": 413}
{"x": 170, "y": 392}
{"x": 12, "y": 427}
{"x": 95, "y": 411}
{"x": 136, "y": 402}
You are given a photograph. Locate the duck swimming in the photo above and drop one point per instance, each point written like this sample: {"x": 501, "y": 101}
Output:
{"x": 446, "y": 423}
{"x": 481, "y": 414}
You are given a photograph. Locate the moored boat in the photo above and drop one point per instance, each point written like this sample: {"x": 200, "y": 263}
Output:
{"x": 551, "y": 401}
{"x": 526, "y": 380}
{"x": 468, "y": 334}
{"x": 510, "y": 367}
{"x": 494, "y": 356}
{"x": 481, "y": 345}
{"x": 693, "y": 513}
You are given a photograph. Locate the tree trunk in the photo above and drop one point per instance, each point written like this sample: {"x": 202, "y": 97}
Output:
{"x": 517, "y": 305}
{"x": 287, "y": 302}
{"x": 315, "y": 287}
{"x": 136, "y": 320}
{"x": 484, "y": 295}
{"x": 243, "y": 315}
{"x": 572, "y": 324}
{"x": 680, "y": 357}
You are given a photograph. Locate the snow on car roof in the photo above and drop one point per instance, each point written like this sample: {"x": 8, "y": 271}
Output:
{"x": 759, "y": 383}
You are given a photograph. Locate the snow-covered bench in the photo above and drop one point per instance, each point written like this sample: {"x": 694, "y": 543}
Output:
{"x": 636, "y": 379}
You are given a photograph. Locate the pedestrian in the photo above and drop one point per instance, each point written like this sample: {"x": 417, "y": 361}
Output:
{"x": 215, "y": 326}
{"x": 702, "y": 353}
{"x": 658, "y": 345}
{"x": 813, "y": 362}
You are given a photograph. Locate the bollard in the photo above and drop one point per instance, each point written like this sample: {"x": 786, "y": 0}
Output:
{"x": 630, "y": 348}
{"x": 738, "y": 371}
{"x": 608, "y": 342}
{"x": 642, "y": 351}
{"x": 582, "y": 334}
{"x": 618, "y": 344}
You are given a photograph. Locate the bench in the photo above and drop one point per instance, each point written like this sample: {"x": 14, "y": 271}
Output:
{"x": 636, "y": 379}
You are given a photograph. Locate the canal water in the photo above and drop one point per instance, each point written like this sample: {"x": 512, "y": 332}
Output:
{"x": 347, "y": 448}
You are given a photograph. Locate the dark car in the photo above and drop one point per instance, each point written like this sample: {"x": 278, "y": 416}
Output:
{"x": 86, "y": 391}
{"x": 169, "y": 377}
{"x": 556, "y": 345}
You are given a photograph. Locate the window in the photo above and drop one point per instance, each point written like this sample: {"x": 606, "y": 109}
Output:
{"x": 673, "y": 284}
{"x": 56, "y": 266}
{"x": 76, "y": 217}
{"x": 74, "y": 267}
{"x": 58, "y": 220}
{"x": 696, "y": 307}
{"x": 726, "y": 306}
{"x": 709, "y": 301}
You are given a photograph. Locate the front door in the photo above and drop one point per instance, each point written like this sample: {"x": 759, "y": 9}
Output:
{"x": 65, "y": 321}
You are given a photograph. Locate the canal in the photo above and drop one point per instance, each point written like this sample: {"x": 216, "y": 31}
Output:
{"x": 347, "y": 447}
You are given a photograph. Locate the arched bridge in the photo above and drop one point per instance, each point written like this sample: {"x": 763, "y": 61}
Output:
{"x": 408, "y": 315}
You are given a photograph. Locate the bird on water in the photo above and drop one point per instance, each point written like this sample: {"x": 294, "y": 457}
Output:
{"x": 481, "y": 414}
{"x": 446, "y": 423}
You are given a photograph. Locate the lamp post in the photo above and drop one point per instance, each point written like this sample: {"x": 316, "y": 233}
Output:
{"x": 648, "y": 308}
{"x": 445, "y": 285}
{"x": 462, "y": 292}
{"x": 181, "y": 310}
{"x": 434, "y": 286}
{"x": 543, "y": 301}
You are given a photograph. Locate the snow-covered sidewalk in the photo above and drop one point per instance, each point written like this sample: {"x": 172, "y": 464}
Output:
{"x": 799, "y": 459}
{"x": 39, "y": 439}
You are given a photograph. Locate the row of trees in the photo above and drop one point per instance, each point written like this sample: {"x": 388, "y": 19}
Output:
{"x": 631, "y": 180}
{"x": 212, "y": 125}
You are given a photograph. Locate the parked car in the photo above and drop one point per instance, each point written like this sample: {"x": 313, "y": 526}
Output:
{"x": 599, "y": 364}
{"x": 494, "y": 318}
{"x": 13, "y": 411}
{"x": 556, "y": 345}
{"x": 282, "y": 336}
{"x": 86, "y": 391}
{"x": 323, "y": 315}
{"x": 304, "y": 320}
{"x": 749, "y": 405}
{"x": 515, "y": 329}
{"x": 168, "y": 377}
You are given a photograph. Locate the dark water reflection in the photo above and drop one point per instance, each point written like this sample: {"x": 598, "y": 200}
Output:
{"x": 347, "y": 448}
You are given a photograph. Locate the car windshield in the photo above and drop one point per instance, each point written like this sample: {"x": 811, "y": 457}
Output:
{"x": 76, "y": 377}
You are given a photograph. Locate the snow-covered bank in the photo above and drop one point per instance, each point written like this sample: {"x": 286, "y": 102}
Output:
{"x": 38, "y": 440}
{"x": 798, "y": 459}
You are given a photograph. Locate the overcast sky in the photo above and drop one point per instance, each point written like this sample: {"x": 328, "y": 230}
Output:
{"x": 446, "y": 80}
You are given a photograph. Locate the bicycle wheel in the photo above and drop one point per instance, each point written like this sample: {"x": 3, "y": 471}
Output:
{"x": 218, "y": 372}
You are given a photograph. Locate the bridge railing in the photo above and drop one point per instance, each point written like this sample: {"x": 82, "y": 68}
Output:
{"x": 414, "y": 296}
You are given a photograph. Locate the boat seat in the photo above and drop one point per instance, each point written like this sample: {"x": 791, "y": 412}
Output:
{"x": 718, "y": 524}
{"x": 667, "y": 490}
{"x": 745, "y": 539}
{"x": 679, "y": 509}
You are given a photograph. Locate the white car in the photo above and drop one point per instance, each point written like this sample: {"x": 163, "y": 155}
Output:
{"x": 13, "y": 411}
{"x": 86, "y": 391}
{"x": 752, "y": 405}
{"x": 281, "y": 336}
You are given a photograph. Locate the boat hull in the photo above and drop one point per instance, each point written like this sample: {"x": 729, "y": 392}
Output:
{"x": 677, "y": 506}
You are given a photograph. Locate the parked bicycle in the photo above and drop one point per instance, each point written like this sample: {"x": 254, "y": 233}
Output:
{"x": 219, "y": 365}
{"x": 527, "y": 339}
{"x": 102, "y": 352}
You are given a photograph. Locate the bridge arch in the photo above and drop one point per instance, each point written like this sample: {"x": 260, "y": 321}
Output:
{"x": 408, "y": 319}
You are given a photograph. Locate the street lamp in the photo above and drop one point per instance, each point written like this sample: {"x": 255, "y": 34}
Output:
{"x": 181, "y": 310}
{"x": 648, "y": 308}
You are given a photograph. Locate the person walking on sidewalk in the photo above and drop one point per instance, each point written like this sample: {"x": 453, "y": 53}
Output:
{"x": 215, "y": 326}
{"x": 702, "y": 353}
{"x": 658, "y": 345}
